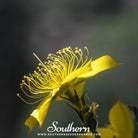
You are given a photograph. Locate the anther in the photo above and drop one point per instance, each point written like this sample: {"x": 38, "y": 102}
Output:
{"x": 35, "y": 72}
{"x": 39, "y": 64}
{"x": 18, "y": 95}
{"x": 67, "y": 49}
{"x": 59, "y": 51}
{"x": 79, "y": 50}
{"x": 49, "y": 55}
{"x": 63, "y": 51}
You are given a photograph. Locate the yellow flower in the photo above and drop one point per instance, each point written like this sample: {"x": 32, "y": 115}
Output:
{"x": 121, "y": 120}
{"x": 64, "y": 71}
{"x": 122, "y": 125}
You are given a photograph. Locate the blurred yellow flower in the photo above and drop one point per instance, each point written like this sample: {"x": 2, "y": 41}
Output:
{"x": 121, "y": 120}
{"x": 65, "y": 70}
{"x": 122, "y": 125}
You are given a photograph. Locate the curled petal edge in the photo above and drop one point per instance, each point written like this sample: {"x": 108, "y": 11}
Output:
{"x": 39, "y": 114}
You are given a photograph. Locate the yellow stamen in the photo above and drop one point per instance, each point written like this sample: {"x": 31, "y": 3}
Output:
{"x": 60, "y": 68}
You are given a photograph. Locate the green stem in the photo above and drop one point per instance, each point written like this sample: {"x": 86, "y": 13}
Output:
{"x": 88, "y": 120}
{"x": 86, "y": 113}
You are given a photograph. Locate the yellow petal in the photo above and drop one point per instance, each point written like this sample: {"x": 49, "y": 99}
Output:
{"x": 31, "y": 122}
{"x": 67, "y": 92}
{"x": 121, "y": 120}
{"x": 99, "y": 65}
{"x": 79, "y": 88}
{"x": 39, "y": 114}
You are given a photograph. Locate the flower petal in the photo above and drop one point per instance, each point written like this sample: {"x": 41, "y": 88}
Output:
{"x": 68, "y": 92}
{"x": 79, "y": 88}
{"x": 121, "y": 120}
{"x": 39, "y": 114}
{"x": 99, "y": 65}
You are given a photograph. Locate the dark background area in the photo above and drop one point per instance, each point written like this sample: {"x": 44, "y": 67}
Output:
{"x": 104, "y": 26}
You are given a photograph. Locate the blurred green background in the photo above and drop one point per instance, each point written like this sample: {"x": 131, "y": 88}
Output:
{"x": 104, "y": 26}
